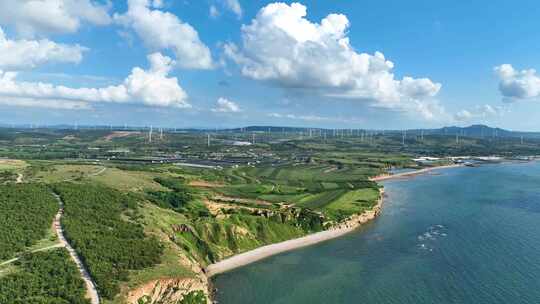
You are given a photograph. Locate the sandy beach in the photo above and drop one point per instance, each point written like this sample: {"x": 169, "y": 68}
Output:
{"x": 273, "y": 249}
{"x": 348, "y": 226}
{"x": 411, "y": 173}
{"x": 269, "y": 250}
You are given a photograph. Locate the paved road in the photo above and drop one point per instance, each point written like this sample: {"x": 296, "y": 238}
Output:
{"x": 91, "y": 290}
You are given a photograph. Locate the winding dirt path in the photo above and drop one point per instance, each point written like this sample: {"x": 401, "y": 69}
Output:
{"x": 99, "y": 172}
{"x": 33, "y": 251}
{"x": 91, "y": 290}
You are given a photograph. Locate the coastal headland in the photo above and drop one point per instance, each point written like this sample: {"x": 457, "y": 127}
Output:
{"x": 336, "y": 231}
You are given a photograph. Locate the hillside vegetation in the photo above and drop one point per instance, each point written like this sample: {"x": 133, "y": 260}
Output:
{"x": 43, "y": 278}
{"x": 27, "y": 212}
{"x": 98, "y": 222}
{"x": 141, "y": 214}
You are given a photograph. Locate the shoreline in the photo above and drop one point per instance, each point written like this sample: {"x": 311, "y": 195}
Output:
{"x": 255, "y": 255}
{"x": 384, "y": 177}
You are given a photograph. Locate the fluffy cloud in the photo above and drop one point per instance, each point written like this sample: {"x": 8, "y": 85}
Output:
{"x": 515, "y": 85}
{"x": 224, "y": 105}
{"x": 480, "y": 112}
{"x": 234, "y": 6}
{"x": 299, "y": 117}
{"x": 44, "y": 103}
{"x": 314, "y": 118}
{"x": 32, "y": 17}
{"x": 230, "y": 5}
{"x": 17, "y": 54}
{"x": 282, "y": 47}
{"x": 214, "y": 12}
{"x": 150, "y": 87}
{"x": 463, "y": 115}
{"x": 162, "y": 30}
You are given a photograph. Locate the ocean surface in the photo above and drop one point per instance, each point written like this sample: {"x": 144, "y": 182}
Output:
{"x": 465, "y": 235}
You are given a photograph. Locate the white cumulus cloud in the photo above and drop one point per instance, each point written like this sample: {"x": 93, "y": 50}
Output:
{"x": 314, "y": 118}
{"x": 283, "y": 47}
{"x": 41, "y": 17}
{"x": 150, "y": 87}
{"x": 463, "y": 115}
{"x": 517, "y": 85}
{"x": 224, "y": 105}
{"x": 20, "y": 54}
{"x": 234, "y": 6}
{"x": 214, "y": 12}
{"x": 161, "y": 30}
{"x": 44, "y": 103}
{"x": 480, "y": 113}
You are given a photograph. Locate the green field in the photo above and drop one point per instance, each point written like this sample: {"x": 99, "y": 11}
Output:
{"x": 137, "y": 218}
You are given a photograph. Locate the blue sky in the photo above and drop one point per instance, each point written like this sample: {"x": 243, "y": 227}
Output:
{"x": 222, "y": 63}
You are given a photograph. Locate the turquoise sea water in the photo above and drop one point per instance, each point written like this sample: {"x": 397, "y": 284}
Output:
{"x": 466, "y": 235}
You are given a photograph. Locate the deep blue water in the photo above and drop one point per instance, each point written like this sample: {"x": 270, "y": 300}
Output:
{"x": 466, "y": 235}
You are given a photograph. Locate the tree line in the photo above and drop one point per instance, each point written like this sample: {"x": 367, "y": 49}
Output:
{"x": 27, "y": 213}
{"x": 109, "y": 245}
{"x": 44, "y": 278}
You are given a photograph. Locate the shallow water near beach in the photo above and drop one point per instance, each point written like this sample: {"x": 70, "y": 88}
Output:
{"x": 463, "y": 235}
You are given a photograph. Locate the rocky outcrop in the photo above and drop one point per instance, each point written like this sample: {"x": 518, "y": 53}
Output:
{"x": 364, "y": 217}
{"x": 167, "y": 291}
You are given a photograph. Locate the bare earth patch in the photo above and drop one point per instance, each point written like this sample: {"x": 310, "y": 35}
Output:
{"x": 228, "y": 199}
{"x": 119, "y": 134}
{"x": 204, "y": 184}
{"x": 10, "y": 164}
{"x": 217, "y": 208}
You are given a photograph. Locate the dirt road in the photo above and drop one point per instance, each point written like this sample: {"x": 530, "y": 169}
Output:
{"x": 91, "y": 290}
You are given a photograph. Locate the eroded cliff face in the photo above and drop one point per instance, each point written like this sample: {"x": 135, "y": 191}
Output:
{"x": 175, "y": 290}
{"x": 169, "y": 291}
{"x": 362, "y": 218}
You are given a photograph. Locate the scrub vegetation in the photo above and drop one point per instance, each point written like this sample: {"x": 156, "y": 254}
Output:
{"x": 27, "y": 212}
{"x": 98, "y": 223}
{"x": 139, "y": 212}
{"x": 43, "y": 278}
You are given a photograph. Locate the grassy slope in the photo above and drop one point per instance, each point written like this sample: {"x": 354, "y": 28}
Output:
{"x": 128, "y": 180}
{"x": 324, "y": 186}
{"x": 54, "y": 173}
{"x": 174, "y": 260}
{"x": 12, "y": 164}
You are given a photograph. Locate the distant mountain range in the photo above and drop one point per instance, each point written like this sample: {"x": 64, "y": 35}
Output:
{"x": 480, "y": 131}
